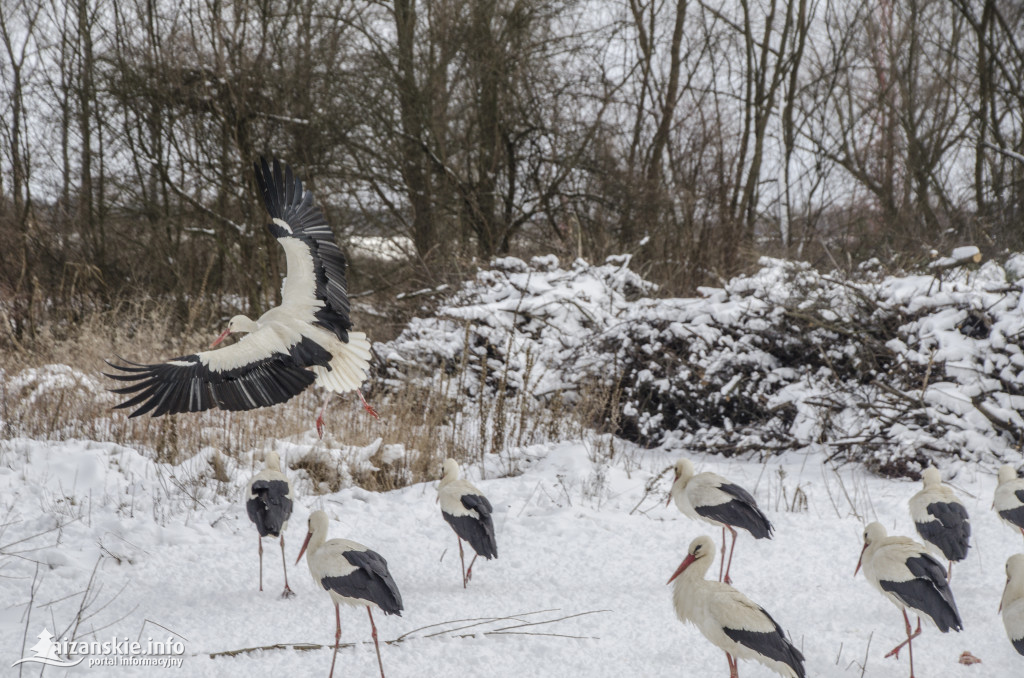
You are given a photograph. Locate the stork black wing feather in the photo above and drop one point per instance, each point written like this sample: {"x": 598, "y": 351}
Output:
{"x": 371, "y": 581}
{"x": 188, "y": 384}
{"x": 285, "y": 199}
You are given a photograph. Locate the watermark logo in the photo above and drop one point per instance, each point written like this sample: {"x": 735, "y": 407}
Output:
{"x": 114, "y": 652}
{"x": 46, "y": 653}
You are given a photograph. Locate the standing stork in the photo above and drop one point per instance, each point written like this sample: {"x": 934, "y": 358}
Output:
{"x": 940, "y": 518}
{"x": 713, "y": 499}
{"x": 728, "y": 618}
{"x": 352, "y": 574}
{"x": 1012, "y": 604}
{"x": 1009, "y": 498}
{"x": 905, "y": 573}
{"x": 306, "y": 340}
{"x": 269, "y": 507}
{"x": 467, "y": 510}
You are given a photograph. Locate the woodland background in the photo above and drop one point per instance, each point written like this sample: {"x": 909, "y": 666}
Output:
{"x": 694, "y": 135}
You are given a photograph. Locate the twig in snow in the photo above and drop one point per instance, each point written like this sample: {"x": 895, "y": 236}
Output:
{"x": 548, "y": 621}
{"x": 28, "y": 615}
{"x": 58, "y": 526}
{"x": 503, "y": 631}
{"x": 150, "y": 621}
{"x": 471, "y": 619}
{"x": 828, "y": 490}
{"x": 649, "y": 487}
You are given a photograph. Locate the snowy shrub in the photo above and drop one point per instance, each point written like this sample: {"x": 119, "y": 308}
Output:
{"x": 887, "y": 370}
{"x": 517, "y": 326}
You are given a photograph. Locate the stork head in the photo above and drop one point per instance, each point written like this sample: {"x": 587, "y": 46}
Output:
{"x": 702, "y": 552}
{"x": 317, "y": 533}
{"x": 239, "y": 323}
{"x": 1007, "y": 473}
{"x": 874, "y": 533}
{"x": 931, "y": 477}
{"x": 684, "y": 471}
{"x": 272, "y": 461}
{"x": 450, "y": 470}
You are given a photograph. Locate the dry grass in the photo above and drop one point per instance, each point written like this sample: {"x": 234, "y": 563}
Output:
{"x": 57, "y": 391}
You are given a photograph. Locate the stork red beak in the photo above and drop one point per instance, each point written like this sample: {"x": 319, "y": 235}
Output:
{"x": 222, "y": 337}
{"x": 682, "y": 566}
{"x": 303, "y": 549}
{"x": 859, "y": 560}
{"x": 675, "y": 477}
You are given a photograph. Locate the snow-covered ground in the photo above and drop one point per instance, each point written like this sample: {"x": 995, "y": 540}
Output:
{"x": 579, "y": 540}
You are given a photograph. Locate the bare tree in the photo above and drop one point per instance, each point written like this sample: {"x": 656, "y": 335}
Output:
{"x": 18, "y": 24}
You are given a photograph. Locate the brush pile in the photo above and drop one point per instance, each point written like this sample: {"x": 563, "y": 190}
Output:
{"x": 887, "y": 370}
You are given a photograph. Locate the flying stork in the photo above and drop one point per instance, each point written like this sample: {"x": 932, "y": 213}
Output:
{"x": 352, "y": 574}
{"x": 1009, "y": 498}
{"x": 940, "y": 518}
{"x": 467, "y": 510}
{"x": 1012, "y": 604}
{"x": 905, "y": 573}
{"x": 728, "y": 618}
{"x": 715, "y": 500}
{"x": 269, "y": 507}
{"x": 306, "y": 340}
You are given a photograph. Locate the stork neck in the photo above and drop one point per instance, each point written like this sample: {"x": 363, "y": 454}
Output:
{"x": 1006, "y": 474}
{"x": 1014, "y": 590}
{"x": 678, "y": 487}
{"x": 695, "y": 573}
{"x": 867, "y": 558}
{"x": 245, "y": 324}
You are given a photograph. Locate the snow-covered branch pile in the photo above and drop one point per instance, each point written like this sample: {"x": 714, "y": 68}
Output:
{"x": 888, "y": 370}
{"x": 524, "y": 326}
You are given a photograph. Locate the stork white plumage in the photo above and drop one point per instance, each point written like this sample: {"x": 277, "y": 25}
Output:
{"x": 1009, "y": 497}
{"x": 728, "y": 618}
{"x": 468, "y": 511}
{"x": 940, "y": 518}
{"x": 306, "y": 340}
{"x": 910, "y": 577}
{"x": 1012, "y": 603}
{"x": 269, "y": 507}
{"x": 352, "y": 574}
{"x": 713, "y": 499}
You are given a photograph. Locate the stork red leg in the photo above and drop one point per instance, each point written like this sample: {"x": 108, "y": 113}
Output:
{"x": 320, "y": 419}
{"x": 462, "y": 560}
{"x": 469, "y": 572}
{"x": 376, "y": 645}
{"x": 734, "y": 666}
{"x": 732, "y": 549}
{"x": 287, "y": 593}
{"x": 367, "y": 406}
{"x": 910, "y": 645}
{"x": 895, "y": 650}
{"x": 261, "y": 561}
{"x": 337, "y": 638}
{"x": 721, "y": 561}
